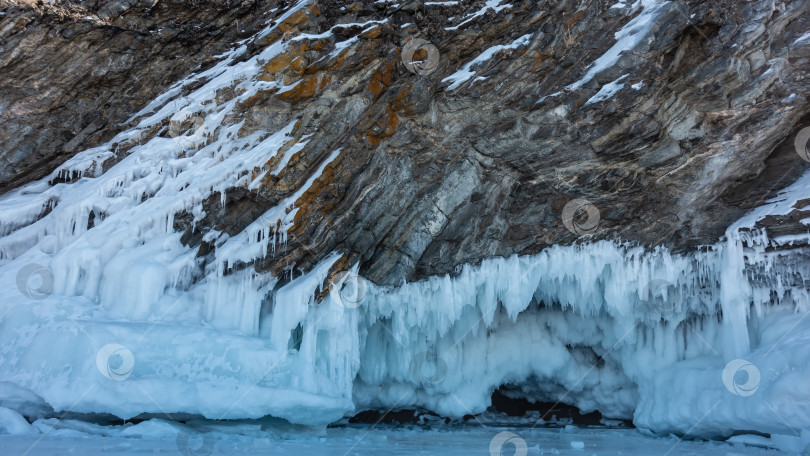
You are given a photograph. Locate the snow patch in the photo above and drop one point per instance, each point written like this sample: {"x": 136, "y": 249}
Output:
{"x": 607, "y": 91}
{"x": 628, "y": 38}
{"x": 468, "y": 70}
{"x": 802, "y": 39}
{"x": 13, "y": 423}
{"x": 495, "y": 5}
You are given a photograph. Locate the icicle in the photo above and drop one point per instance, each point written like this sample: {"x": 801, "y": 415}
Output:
{"x": 735, "y": 298}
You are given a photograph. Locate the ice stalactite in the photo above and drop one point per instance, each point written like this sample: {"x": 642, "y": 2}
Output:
{"x": 734, "y": 295}
{"x": 602, "y": 326}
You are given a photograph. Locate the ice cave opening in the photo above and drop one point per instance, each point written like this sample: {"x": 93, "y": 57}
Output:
{"x": 510, "y": 406}
{"x": 510, "y": 401}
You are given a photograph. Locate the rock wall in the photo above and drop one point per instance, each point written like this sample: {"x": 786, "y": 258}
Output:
{"x": 529, "y": 124}
{"x": 73, "y": 72}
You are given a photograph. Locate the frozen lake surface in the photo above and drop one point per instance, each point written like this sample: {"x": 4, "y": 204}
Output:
{"x": 367, "y": 440}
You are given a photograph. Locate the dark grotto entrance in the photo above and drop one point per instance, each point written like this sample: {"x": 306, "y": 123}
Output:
{"x": 552, "y": 413}
{"x": 508, "y": 407}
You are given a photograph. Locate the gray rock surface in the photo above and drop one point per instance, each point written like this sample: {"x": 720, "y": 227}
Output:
{"x": 73, "y": 72}
{"x": 432, "y": 177}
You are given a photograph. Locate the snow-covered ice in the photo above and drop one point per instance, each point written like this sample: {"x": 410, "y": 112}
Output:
{"x": 212, "y": 438}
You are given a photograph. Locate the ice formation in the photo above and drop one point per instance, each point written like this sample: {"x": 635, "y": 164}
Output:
{"x": 468, "y": 70}
{"x": 119, "y": 317}
{"x": 494, "y": 5}
{"x": 629, "y": 37}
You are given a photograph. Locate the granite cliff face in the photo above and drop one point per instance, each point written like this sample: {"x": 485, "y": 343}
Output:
{"x": 659, "y": 123}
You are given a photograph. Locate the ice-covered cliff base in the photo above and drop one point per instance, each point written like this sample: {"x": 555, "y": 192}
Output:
{"x": 687, "y": 344}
